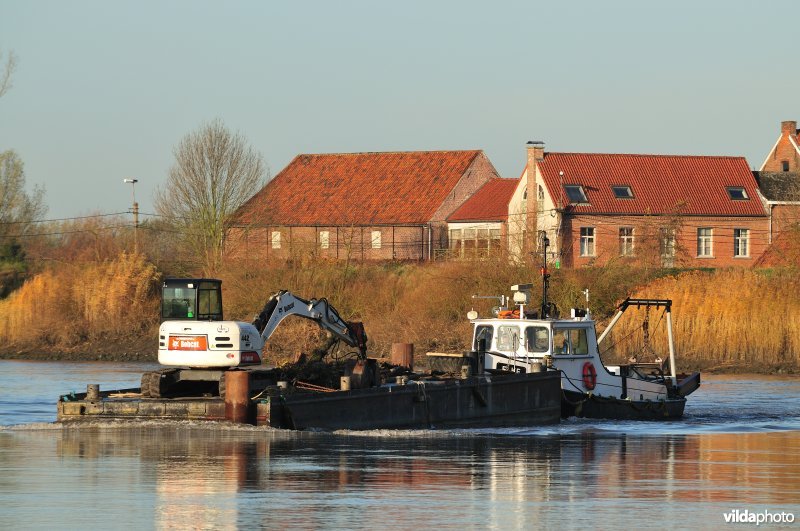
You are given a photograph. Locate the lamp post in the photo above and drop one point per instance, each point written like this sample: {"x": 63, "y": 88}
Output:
{"x": 135, "y": 211}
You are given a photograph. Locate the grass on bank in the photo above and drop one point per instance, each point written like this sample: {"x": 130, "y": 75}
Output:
{"x": 742, "y": 318}
{"x": 73, "y": 303}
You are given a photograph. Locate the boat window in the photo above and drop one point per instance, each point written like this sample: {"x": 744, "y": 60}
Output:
{"x": 560, "y": 343}
{"x": 483, "y": 332}
{"x": 580, "y": 347}
{"x": 537, "y": 339}
{"x": 507, "y": 338}
{"x": 568, "y": 341}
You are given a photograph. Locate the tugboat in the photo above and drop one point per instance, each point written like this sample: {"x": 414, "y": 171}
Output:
{"x": 526, "y": 341}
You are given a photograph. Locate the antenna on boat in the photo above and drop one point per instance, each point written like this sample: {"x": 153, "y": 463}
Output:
{"x": 545, "y": 242}
{"x": 502, "y": 298}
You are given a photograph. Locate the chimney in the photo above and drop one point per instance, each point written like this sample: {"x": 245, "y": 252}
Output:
{"x": 535, "y": 154}
{"x": 535, "y": 151}
{"x": 789, "y": 128}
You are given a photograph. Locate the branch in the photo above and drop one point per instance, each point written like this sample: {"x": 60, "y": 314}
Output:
{"x": 5, "y": 75}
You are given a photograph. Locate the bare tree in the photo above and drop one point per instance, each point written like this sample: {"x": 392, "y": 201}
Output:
{"x": 7, "y": 71}
{"x": 18, "y": 208}
{"x": 214, "y": 173}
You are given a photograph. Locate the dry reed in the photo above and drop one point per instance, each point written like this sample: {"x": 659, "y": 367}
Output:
{"x": 70, "y": 304}
{"x": 742, "y": 318}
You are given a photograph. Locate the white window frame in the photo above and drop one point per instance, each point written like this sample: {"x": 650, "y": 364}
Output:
{"x": 737, "y": 193}
{"x": 324, "y": 239}
{"x": 508, "y": 338}
{"x": 587, "y": 241}
{"x": 540, "y": 199}
{"x": 741, "y": 243}
{"x": 276, "y": 239}
{"x": 705, "y": 242}
{"x": 626, "y": 241}
{"x": 622, "y": 191}
{"x": 578, "y": 188}
{"x": 375, "y": 239}
{"x": 667, "y": 246}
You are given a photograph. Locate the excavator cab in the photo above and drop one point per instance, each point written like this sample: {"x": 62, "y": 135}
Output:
{"x": 191, "y": 299}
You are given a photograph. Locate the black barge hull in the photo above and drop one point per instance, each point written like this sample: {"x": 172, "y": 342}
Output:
{"x": 478, "y": 401}
{"x": 597, "y": 407}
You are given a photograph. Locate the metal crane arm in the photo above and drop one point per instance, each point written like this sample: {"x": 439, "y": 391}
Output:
{"x": 283, "y": 304}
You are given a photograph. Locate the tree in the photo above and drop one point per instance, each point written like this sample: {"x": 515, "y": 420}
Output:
{"x": 18, "y": 208}
{"x": 214, "y": 173}
{"x": 8, "y": 70}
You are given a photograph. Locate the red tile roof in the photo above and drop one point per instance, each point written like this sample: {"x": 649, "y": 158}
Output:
{"x": 358, "y": 188}
{"x": 784, "y": 250}
{"x": 489, "y": 203}
{"x": 660, "y": 183}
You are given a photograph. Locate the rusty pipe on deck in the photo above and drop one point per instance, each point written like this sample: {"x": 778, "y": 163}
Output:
{"x": 237, "y": 396}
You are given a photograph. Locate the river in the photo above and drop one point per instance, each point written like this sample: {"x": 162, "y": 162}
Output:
{"x": 736, "y": 449}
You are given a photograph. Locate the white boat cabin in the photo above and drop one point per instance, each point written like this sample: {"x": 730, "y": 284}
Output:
{"x": 514, "y": 344}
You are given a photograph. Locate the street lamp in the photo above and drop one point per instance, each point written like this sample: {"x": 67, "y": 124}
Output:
{"x": 133, "y": 182}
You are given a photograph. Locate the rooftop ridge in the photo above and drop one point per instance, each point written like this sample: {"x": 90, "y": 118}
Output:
{"x": 660, "y": 155}
{"x": 389, "y": 152}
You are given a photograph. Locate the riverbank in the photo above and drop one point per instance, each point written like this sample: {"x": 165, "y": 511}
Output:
{"x": 143, "y": 349}
{"x": 731, "y": 321}
{"x": 132, "y": 348}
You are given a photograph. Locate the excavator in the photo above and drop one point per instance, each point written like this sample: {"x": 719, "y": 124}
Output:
{"x": 198, "y": 345}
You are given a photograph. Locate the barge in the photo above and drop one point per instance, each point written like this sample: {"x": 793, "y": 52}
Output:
{"x": 472, "y": 401}
{"x": 213, "y": 371}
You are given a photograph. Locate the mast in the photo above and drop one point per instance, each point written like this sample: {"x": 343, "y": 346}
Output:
{"x": 545, "y": 242}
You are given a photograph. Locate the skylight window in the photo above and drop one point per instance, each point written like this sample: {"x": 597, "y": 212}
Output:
{"x": 575, "y": 193}
{"x": 737, "y": 193}
{"x": 622, "y": 192}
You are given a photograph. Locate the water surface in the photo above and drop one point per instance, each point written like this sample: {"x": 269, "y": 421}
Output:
{"x": 738, "y": 447}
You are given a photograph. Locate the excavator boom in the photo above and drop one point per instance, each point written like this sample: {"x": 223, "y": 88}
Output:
{"x": 283, "y": 304}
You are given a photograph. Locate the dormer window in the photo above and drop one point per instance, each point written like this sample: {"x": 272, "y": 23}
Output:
{"x": 622, "y": 192}
{"x": 575, "y": 193}
{"x": 737, "y": 193}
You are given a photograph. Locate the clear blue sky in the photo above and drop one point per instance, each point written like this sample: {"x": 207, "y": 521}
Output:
{"x": 105, "y": 90}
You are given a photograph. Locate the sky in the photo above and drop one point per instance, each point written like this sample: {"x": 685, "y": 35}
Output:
{"x": 105, "y": 90}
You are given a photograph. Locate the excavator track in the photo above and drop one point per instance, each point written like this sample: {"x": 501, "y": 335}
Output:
{"x": 151, "y": 387}
{"x": 157, "y": 384}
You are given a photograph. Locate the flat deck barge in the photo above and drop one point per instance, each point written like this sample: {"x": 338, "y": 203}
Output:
{"x": 482, "y": 400}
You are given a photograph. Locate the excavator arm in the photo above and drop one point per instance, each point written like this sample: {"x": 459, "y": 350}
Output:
{"x": 283, "y": 304}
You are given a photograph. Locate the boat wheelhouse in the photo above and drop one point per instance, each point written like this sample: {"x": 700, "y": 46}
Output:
{"x": 516, "y": 340}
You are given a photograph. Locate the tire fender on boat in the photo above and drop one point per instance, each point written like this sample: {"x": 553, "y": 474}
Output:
{"x": 589, "y": 376}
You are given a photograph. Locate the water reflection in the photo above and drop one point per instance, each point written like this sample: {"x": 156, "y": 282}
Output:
{"x": 738, "y": 447}
{"x": 229, "y": 478}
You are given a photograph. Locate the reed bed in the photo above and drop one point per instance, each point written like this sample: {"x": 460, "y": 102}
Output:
{"x": 70, "y": 304}
{"x": 739, "y": 319}
{"x": 742, "y": 319}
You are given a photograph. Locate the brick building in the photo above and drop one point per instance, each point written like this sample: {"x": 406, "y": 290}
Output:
{"x": 363, "y": 206}
{"x": 660, "y": 210}
{"x": 479, "y": 227}
{"x": 779, "y": 181}
{"x": 785, "y": 154}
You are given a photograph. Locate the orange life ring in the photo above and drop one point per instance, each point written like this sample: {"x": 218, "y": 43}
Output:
{"x": 589, "y": 375}
{"x": 508, "y": 314}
